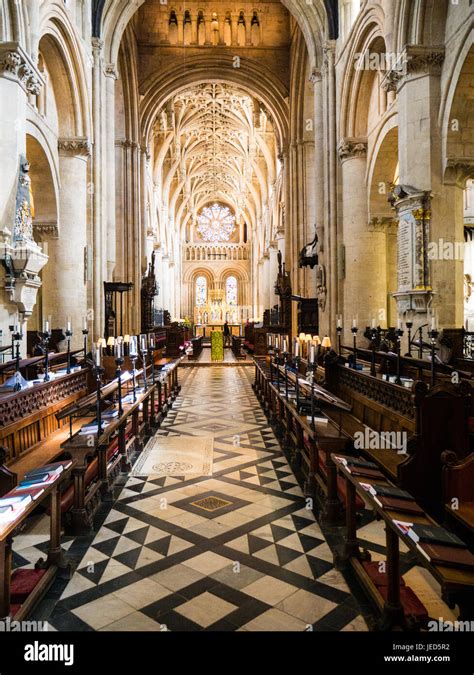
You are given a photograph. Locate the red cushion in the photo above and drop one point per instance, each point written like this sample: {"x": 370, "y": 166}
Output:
{"x": 23, "y": 582}
{"x": 412, "y": 606}
{"x": 379, "y": 578}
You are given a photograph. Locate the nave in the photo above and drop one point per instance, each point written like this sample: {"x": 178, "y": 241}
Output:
{"x": 258, "y": 563}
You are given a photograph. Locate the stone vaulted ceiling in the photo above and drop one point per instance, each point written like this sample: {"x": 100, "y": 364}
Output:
{"x": 214, "y": 142}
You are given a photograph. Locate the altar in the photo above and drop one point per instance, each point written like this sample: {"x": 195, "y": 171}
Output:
{"x": 205, "y": 330}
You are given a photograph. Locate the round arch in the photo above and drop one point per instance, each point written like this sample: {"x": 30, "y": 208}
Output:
{"x": 62, "y": 55}
{"x": 216, "y": 69}
{"x": 357, "y": 82}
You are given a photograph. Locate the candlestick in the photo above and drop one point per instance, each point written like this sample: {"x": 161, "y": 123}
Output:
{"x": 433, "y": 333}
{"x": 399, "y": 334}
{"x": 68, "y": 340}
{"x": 144, "y": 351}
{"x": 118, "y": 372}
{"x": 373, "y": 344}
{"x": 354, "y": 331}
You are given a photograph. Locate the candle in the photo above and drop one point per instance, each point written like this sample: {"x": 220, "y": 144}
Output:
{"x": 69, "y": 325}
{"x": 374, "y": 323}
{"x": 46, "y": 326}
{"x": 433, "y": 322}
{"x": 339, "y": 322}
{"x": 119, "y": 348}
{"x": 151, "y": 339}
{"x": 354, "y": 323}
{"x": 98, "y": 355}
{"x": 143, "y": 343}
{"x": 297, "y": 348}
{"x": 312, "y": 352}
{"x": 84, "y": 323}
{"x": 285, "y": 345}
{"x": 277, "y": 342}
{"x": 133, "y": 349}
{"x": 399, "y": 324}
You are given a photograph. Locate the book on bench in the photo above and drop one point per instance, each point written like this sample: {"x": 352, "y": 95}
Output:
{"x": 402, "y": 505}
{"x": 389, "y": 491}
{"x": 432, "y": 534}
{"x": 451, "y": 556}
{"x": 51, "y": 469}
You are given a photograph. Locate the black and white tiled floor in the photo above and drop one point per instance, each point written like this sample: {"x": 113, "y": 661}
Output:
{"x": 255, "y": 560}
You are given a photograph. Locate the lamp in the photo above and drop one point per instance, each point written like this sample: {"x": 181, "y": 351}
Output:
{"x": 110, "y": 346}
{"x": 326, "y": 343}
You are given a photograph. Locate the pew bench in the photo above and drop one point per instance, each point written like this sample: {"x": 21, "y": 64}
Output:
{"x": 457, "y": 584}
{"x": 458, "y": 488}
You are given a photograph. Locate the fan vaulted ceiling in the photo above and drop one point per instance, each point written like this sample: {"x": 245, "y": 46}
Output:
{"x": 214, "y": 142}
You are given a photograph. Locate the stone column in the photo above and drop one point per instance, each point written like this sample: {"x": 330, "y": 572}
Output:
{"x": 65, "y": 290}
{"x": 420, "y": 154}
{"x": 99, "y": 183}
{"x": 364, "y": 294}
{"x": 111, "y": 77}
{"x": 19, "y": 78}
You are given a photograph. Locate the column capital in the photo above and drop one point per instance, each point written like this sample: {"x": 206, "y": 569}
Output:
{"x": 458, "y": 171}
{"x": 74, "y": 147}
{"x": 16, "y": 65}
{"x": 110, "y": 70}
{"x": 414, "y": 60}
{"x": 97, "y": 44}
{"x": 315, "y": 76}
{"x": 351, "y": 148}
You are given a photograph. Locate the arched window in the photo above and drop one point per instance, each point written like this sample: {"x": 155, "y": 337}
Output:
{"x": 201, "y": 291}
{"x": 231, "y": 291}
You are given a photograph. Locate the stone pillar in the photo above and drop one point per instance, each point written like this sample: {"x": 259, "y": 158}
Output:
{"x": 65, "y": 290}
{"x": 364, "y": 294}
{"x": 99, "y": 182}
{"x": 111, "y": 77}
{"x": 421, "y": 170}
{"x": 19, "y": 78}
{"x": 272, "y": 275}
{"x": 318, "y": 187}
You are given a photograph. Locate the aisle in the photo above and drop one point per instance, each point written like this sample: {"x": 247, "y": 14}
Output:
{"x": 235, "y": 551}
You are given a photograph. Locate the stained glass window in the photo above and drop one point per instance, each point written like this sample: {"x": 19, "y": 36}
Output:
{"x": 201, "y": 291}
{"x": 216, "y": 223}
{"x": 231, "y": 291}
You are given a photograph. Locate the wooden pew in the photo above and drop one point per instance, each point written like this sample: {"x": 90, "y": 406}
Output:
{"x": 457, "y": 584}
{"x": 28, "y": 417}
{"x": 433, "y": 421}
{"x": 21, "y": 590}
{"x": 99, "y": 460}
{"x": 458, "y": 494}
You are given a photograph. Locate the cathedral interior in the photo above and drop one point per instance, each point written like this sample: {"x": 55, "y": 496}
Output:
{"x": 237, "y": 264}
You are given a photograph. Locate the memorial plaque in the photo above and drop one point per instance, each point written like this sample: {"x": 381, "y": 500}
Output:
{"x": 405, "y": 259}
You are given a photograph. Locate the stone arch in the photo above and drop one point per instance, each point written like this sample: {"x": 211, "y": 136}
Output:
{"x": 216, "y": 68}
{"x": 62, "y": 53}
{"x": 358, "y": 81}
{"x": 457, "y": 115}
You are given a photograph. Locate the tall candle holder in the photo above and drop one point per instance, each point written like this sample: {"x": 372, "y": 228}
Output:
{"x": 409, "y": 325}
{"x": 354, "y": 331}
{"x": 285, "y": 358}
{"x": 310, "y": 374}
{"x": 420, "y": 347}
{"x": 151, "y": 344}
{"x": 133, "y": 353}
{"x": 68, "y": 334}
{"x": 339, "y": 333}
{"x": 45, "y": 337}
{"x": 17, "y": 336}
{"x": 144, "y": 353}
{"x": 98, "y": 378}
{"x": 433, "y": 333}
{"x": 119, "y": 360}
{"x": 399, "y": 334}
{"x": 297, "y": 361}
{"x": 277, "y": 363}
{"x": 373, "y": 344}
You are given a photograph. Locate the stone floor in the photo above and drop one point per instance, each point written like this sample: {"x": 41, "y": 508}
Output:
{"x": 235, "y": 551}
{"x": 250, "y": 557}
